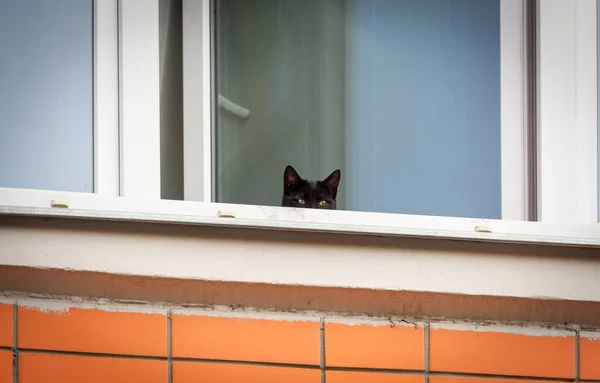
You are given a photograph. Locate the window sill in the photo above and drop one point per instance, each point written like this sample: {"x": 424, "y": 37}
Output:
{"x": 22, "y": 202}
{"x": 183, "y": 252}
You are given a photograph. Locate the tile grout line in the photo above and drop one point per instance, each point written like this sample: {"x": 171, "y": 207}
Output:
{"x": 503, "y": 377}
{"x": 350, "y": 369}
{"x": 577, "y": 359}
{"x": 169, "y": 347}
{"x": 15, "y": 347}
{"x": 456, "y": 374}
{"x": 426, "y": 351}
{"x": 378, "y": 370}
{"x": 322, "y": 362}
{"x": 165, "y": 358}
{"x": 91, "y": 354}
{"x": 248, "y": 363}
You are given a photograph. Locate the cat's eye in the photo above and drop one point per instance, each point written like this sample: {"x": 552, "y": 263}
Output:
{"x": 301, "y": 202}
{"x": 322, "y": 203}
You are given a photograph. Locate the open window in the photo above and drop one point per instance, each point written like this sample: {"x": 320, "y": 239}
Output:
{"x": 421, "y": 104}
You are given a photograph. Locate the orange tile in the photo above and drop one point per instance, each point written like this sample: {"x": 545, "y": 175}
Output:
{"x": 371, "y": 377}
{"x": 589, "y": 358}
{"x": 6, "y": 327}
{"x": 246, "y": 339}
{"x": 457, "y": 379}
{"x": 89, "y": 330}
{"x": 36, "y": 368}
{"x": 397, "y": 347}
{"x": 184, "y": 372}
{"x": 501, "y": 353}
{"x": 6, "y": 366}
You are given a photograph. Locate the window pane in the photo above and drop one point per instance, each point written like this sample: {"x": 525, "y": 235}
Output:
{"x": 402, "y": 95}
{"x": 46, "y": 95}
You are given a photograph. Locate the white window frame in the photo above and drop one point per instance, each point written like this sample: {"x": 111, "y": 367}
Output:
{"x": 567, "y": 118}
{"x": 126, "y": 98}
{"x": 139, "y": 99}
{"x": 513, "y": 111}
{"x": 106, "y": 98}
{"x": 197, "y": 101}
{"x": 127, "y": 106}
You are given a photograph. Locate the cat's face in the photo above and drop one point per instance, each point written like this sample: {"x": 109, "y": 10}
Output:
{"x": 309, "y": 194}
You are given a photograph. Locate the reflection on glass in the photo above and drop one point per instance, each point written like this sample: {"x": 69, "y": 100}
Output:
{"x": 46, "y": 95}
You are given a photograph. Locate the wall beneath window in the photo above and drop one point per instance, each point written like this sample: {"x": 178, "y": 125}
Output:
{"x": 150, "y": 343}
{"x": 46, "y": 95}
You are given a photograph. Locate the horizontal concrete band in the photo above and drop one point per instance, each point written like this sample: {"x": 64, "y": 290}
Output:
{"x": 300, "y": 270}
{"x": 291, "y": 298}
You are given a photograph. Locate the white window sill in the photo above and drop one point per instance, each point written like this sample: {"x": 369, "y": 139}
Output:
{"x": 92, "y": 206}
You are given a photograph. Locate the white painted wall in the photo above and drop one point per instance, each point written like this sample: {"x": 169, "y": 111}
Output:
{"x": 306, "y": 259}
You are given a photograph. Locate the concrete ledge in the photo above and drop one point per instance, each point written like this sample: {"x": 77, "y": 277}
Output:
{"x": 408, "y": 304}
{"x": 300, "y": 270}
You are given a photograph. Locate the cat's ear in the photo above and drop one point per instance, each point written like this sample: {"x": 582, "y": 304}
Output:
{"x": 291, "y": 178}
{"x": 333, "y": 181}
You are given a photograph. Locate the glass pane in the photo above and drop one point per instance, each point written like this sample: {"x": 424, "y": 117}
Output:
{"x": 46, "y": 95}
{"x": 402, "y": 95}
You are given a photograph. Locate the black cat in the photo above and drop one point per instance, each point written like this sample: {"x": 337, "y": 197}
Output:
{"x": 309, "y": 194}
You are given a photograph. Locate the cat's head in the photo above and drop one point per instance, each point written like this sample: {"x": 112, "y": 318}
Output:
{"x": 298, "y": 192}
